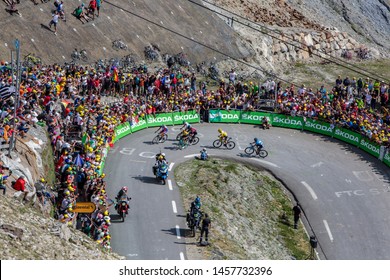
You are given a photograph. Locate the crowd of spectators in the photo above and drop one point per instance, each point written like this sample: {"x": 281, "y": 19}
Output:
{"x": 68, "y": 100}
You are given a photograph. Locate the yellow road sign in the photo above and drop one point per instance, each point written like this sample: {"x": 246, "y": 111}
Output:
{"x": 84, "y": 207}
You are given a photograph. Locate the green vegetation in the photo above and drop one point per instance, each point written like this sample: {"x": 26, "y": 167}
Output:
{"x": 250, "y": 211}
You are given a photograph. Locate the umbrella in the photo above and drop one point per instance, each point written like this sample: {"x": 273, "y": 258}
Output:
{"x": 78, "y": 161}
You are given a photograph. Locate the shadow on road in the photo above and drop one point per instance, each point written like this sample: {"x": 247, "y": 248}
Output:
{"x": 147, "y": 179}
{"x": 115, "y": 218}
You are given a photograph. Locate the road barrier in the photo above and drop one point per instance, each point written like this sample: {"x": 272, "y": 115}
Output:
{"x": 252, "y": 117}
{"x": 302, "y": 123}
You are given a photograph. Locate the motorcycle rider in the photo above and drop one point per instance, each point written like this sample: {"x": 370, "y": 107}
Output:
{"x": 122, "y": 196}
{"x": 222, "y": 136}
{"x": 160, "y": 160}
{"x": 259, "y": 144}
{"x": 163, "y": 130}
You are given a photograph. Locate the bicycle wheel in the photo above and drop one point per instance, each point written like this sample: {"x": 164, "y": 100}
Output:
{"x": 249, "y": 150}
{"x": 230, "y": 145}
{"x": 217, "y": 143}
{"x": 195, "y": 140}
{"x": 263, "y": 153}
{"x": 164, "y": 138}
{"x": 156, "y": 139}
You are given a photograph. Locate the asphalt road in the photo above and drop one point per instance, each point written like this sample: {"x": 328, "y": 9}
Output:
{"x": 345, "y": 193}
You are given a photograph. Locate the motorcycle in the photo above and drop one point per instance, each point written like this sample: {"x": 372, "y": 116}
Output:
{"x": 123, "y": 207}
{"x": 162, "y": 173}
{"x": 253, "y": 148}
{"x": 229, "y": 144}
{"x": 159, "y": 139}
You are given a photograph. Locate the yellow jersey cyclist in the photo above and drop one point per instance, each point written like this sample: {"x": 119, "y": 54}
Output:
{"x": 222, "y": 136}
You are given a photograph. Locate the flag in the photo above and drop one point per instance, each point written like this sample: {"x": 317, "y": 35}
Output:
{"x": 78, "y": 161}
{"x": 115, "y": 75}
{"x": 6, "y": 92}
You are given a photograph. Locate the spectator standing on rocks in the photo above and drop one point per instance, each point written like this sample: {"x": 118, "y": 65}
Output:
{"x": 3, "y": 178}
{"x": 297, "y": 213}
{"x": 206, "y": 225}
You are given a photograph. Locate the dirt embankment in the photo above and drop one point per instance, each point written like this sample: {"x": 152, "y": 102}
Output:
{"x": 246, "y": 207}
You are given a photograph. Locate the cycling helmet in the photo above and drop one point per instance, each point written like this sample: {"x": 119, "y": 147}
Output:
{"x": 124, "y": 188}
{"x": 204, "y": 150}
{"x": 255, "y": 139}
{"x": 186, "y": 123}
{"x": 163, "y": 154}
{"x": 197, "y": 199}
{"x": 219, "y": 130}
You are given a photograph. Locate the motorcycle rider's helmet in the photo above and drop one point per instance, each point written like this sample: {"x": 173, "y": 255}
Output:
{"x": 219, "y": 130}
{"x": 255, "y": 139}
{"x": 124, "y": 188}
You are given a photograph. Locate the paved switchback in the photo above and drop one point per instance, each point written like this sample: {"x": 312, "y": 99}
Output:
{"x": 345, "y": 193}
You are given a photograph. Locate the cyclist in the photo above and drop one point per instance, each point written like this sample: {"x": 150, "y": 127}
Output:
{"x": 163, "y": 130}
{"x": 265, "y": 124}
{"x": 258, "y": 143}
{"x": 184, "y": 139}
{"x": 222, "y": 136}
{"x": 122, "y": 196}
{"x": 186, "y": 126}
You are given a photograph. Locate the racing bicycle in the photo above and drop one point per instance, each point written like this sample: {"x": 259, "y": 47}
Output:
{"x": 229, "y": 144}
{"x": 253, "y": 148}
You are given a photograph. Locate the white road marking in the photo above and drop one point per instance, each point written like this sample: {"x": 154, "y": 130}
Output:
{"x": 174, "y": 207}
{"x": 93, "y": 24}
{"x": 149, "y": 27}
{"x": 147, "y": 154}
{"x": 363, "y": 176}
{"x": 170, "y": 185}
{"x": 311, "y": 191}
{"x": 74, "y": 29}
{"x": 328, "y": 230}
{"x": 41, "y": 9}
{"x": 108, "y": 17}
{"x": 317, "y": 164}
{"x": 127, "y": 151}
{"x": 348, "y": 181}
{"x": 137, "y": 35}
{"x": 188, "y": 156}
{"x": 161, "y": 22}
{"x": 182, "y": 256}
{"x": 265, "y": 162}
{"x": 178, "y": 232}
{"x": 170, "y": 166}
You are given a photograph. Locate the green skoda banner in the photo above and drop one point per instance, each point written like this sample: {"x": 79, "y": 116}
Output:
{"x": 138, "y": 125}
{"x": 122, "y": 130}
{"x": 287, "y": 121}
{"x": 386, "y": 159}
{"x": 347, "y": 136}
{"x": 318, "y": 127}
{"x": 369, "y": 147}
{"x": 159, "y": 119}
{"x": 224, "y": 116}
{"x": 182, "y": 117}
{"x": 255, "y": 117}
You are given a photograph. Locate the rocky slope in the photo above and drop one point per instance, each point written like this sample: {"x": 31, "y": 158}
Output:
{"x": 26, "y": 234}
